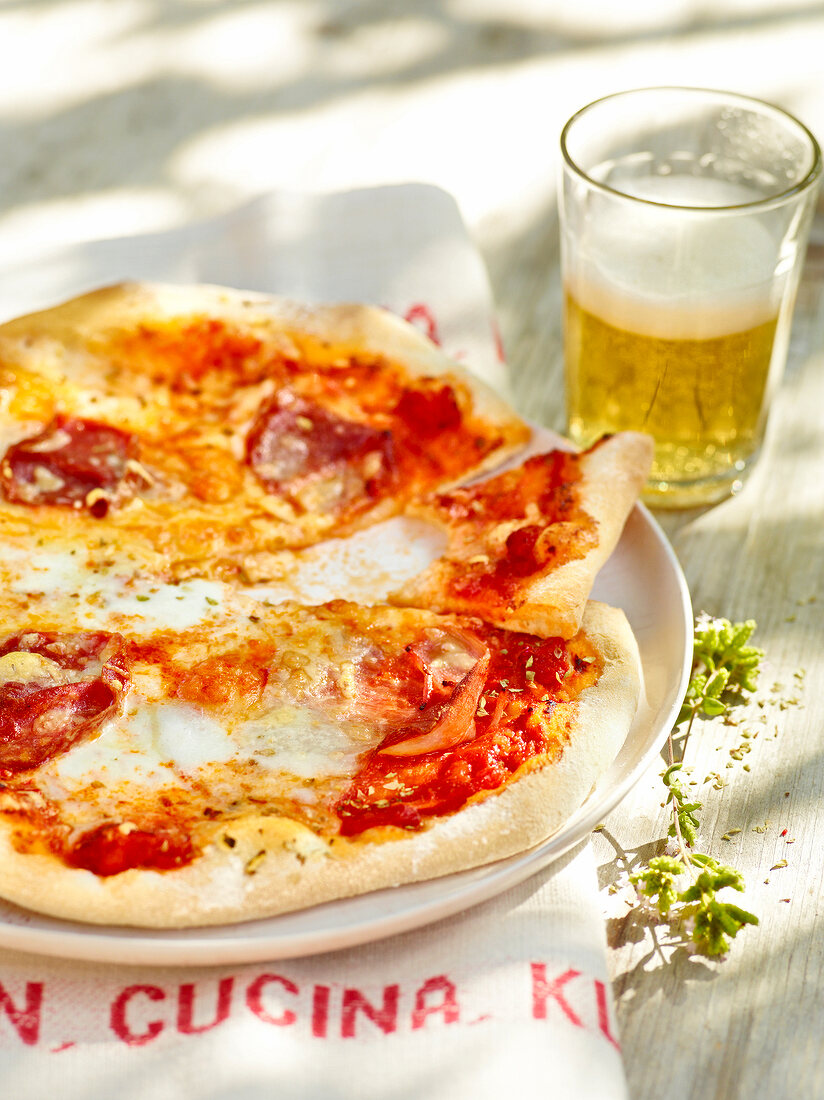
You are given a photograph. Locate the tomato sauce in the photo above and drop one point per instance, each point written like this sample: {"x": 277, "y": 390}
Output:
{"x": 111, "y": 849}
{"x": 547, "y": 484}
{"x": 202, "y": 352}
{"x": 524, "y": 712}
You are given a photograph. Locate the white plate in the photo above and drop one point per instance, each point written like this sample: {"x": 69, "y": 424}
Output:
{"x": 644, "y": 578}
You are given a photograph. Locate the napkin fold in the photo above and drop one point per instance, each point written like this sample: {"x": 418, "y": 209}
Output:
{"x": 510, "y": 995}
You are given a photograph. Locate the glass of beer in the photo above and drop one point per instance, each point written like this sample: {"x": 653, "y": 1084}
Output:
{"x": 684, "y": 220}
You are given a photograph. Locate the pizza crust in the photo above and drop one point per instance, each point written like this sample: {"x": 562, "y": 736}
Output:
{"x": 277, "y": 865}
{"x": 50, "y": 339}
{"x": 229, "y": 524}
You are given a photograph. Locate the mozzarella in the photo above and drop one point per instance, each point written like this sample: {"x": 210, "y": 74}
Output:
{"x": 153, "y": 745}
{"x": 92, "y": 598}
{"x": 363, "y": 568}
{"x": 300, "y": 741}
{"x": 145, "y": 744}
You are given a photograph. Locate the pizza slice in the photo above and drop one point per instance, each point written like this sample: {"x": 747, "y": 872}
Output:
{"x": 524, "y": 547}
{"x": 273, "y": 758}
{"x": 208, "y": 427}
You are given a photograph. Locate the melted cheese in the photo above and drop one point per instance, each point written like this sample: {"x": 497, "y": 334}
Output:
{"x": 145, "y": 746}
{"x": 292, "y": 747}
{"x": 156, "y": 743}
{"x": 363, "y": 568}
{"x": 301, "y": 741}
{"x": 102, "y": 589}
{"x": 98, "y": 598}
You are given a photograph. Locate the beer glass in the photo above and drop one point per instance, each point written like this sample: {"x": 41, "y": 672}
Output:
{"x": 684, "y": 219}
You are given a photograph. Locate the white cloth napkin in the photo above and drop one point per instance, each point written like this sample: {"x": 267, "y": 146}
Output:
{"x": 510, "y": 995}
{"x": 405, "y": 247}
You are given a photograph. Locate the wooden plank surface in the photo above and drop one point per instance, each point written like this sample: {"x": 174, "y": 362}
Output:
{"x": 746, "y": 1026}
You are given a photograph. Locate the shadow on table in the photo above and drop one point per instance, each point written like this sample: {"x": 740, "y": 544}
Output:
{"x": 174, "y": 89}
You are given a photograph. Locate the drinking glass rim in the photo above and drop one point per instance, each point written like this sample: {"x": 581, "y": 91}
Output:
{"x": 812, "y": 175}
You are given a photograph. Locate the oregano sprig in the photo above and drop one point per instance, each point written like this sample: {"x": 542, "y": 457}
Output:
{"x": 724, "y": 670}
{"x": 685, "y": 823}
{"x": 715, "y": 922}
{"x": 722, "y": 662}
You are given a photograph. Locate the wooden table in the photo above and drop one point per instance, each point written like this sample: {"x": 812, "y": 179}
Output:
{"x": 158, "y": 114}
{"x": 747, "y": 1026}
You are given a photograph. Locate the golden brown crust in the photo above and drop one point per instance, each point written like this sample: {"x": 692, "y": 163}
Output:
{"x": 276, "y": 865}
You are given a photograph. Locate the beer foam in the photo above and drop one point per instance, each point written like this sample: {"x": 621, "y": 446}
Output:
{"x": 688, "y": 274}
{"x": 705, "y": 192}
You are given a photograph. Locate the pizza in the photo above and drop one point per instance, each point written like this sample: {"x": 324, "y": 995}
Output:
{"x": 207, "y": 428}
{"x": 524, "y": 547}
{"x": 274, "y": 629}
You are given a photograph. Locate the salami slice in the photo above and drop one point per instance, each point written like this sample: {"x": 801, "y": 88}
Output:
{"x": 72, "y": 462}
{"x": 296, "y": 445}
{"x": 55, "y": 690}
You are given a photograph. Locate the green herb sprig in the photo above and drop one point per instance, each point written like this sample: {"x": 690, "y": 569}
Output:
{"x": 724, "y": 671}
{"x": 722, "y": 663}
